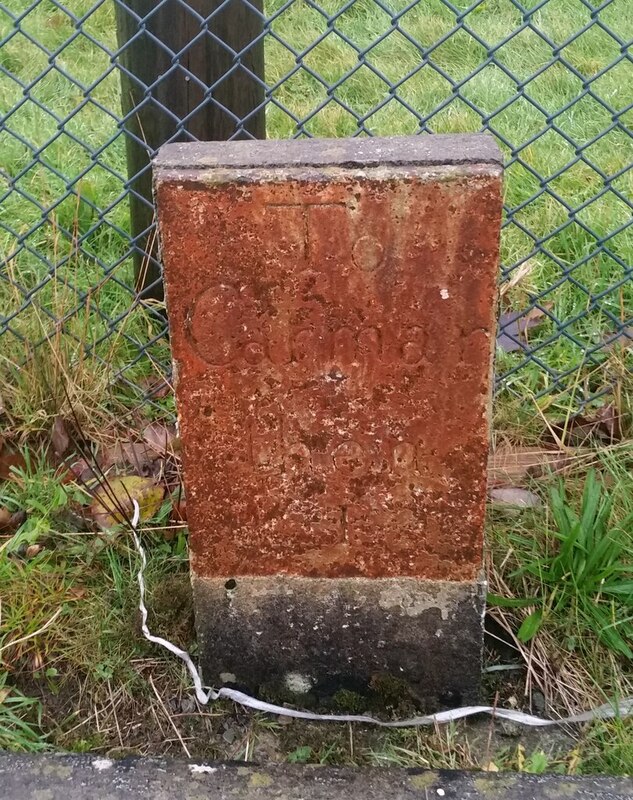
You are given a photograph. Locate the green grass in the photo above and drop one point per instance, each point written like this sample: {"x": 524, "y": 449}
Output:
{"x": 361, "y": 102}
{"x": 19, "y": 720}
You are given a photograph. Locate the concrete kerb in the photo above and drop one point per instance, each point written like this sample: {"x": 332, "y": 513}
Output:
{"x": 84, "y": 777}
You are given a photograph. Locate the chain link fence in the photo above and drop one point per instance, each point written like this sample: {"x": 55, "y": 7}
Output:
{"x": 550, "y": 79}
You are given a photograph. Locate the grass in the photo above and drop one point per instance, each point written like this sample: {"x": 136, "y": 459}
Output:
{"x": 74, "y": 671}
{"x": 571, "y": 660}
{"x": 580, "y": 572}
{"x": 572, "y": 558}
{"x": 75, "y": 253}
{"x": 16, "y": 731}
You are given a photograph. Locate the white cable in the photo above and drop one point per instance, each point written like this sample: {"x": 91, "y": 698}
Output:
{"x": 607, "y": 711}
{"x": 202, "y": 696}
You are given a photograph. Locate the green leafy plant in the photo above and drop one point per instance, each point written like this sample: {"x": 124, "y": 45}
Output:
{"x": 301, "y": 755}
{"x": 588, "y": 575}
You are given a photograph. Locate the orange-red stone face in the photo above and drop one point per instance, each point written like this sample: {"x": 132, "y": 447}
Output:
{"x": 332, "y": 337}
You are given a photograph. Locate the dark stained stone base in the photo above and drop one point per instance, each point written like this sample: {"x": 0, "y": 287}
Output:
{"x": 311, "y": 637}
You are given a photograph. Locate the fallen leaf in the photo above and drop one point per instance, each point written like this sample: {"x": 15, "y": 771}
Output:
{"x": 10, "y": 460}
{"x": 81, "y": 471}
{"x": 138, "y": 455}
{"x": 4, "y": 693}
{"x": 155, "y": 388}
{"x": 507, "y": 464}
{"x": 604, "y": 424}
{"x": 112, "y": 504}
{"x": 60, "y": 437}
{"x": 621, "y": 340}
{"x": 514, "y": 496}
{"x": 10, "y": 522}
{"x": 514, "y": 326}
{"x": 161, "y": 438}
{"x": 490, "y": 767}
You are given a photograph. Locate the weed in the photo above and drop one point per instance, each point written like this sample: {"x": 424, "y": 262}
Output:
{"x": 302, "y": 755}
{"x": 585, "y": 573}
{"x": 551, "y": 566}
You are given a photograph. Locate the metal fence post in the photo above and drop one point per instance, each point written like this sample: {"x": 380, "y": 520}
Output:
{"x": 191, "y": 71}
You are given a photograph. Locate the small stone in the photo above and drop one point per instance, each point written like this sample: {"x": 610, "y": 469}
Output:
{"x": 187, "y": 705}
{"x": 538, "y": 701}
{"x": 298, "y": 683}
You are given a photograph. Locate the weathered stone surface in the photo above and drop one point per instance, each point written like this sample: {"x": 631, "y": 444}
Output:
{"x": 331, "y": 308}
{"x": 88, "y": 777}
{"x": 313, "y": 636}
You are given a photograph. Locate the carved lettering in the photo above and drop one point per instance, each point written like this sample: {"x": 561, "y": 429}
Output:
{"x": 272, "y": 449}
{"x": 227, "y": 342}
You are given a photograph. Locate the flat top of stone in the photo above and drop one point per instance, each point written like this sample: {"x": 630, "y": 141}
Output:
{"x": 417, "y": 151}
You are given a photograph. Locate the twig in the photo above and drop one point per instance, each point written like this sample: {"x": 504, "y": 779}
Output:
{"x": 35, "y": 633}
{"x": 168, "y": 715}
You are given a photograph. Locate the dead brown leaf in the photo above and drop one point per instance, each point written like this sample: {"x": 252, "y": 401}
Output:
{"x": 508, "y": 465}
{"x": 80, "y": 471}
{"x": 60, "y": 437}
{"x": 622, "y": 340}
{"x": 161, "y": 438}
{"x": 513, "y": 326}
{"x": 11, "y": 521}
{"x": 10, "y": 460}
{"x": 113, "y": 503}
{"x": 155, "y": 388}
{"x": 603, "y": 425}
{"x": 138, "y": 455}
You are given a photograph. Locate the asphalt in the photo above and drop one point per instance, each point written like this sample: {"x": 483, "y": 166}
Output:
{"x": 86, "y": 777}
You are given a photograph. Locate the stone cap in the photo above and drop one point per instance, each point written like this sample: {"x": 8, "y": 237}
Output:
{"x": 430, "y": 150}
{"x": 85, "y": 777}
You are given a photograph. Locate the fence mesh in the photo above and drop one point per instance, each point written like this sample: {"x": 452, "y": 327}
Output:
{"x": 550, "y": 79}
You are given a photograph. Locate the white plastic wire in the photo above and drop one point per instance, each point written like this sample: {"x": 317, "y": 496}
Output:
{"x": 607, "y": 711}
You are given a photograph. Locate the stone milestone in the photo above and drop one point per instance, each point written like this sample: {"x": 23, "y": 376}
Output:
{"x": 331, "y": 307}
